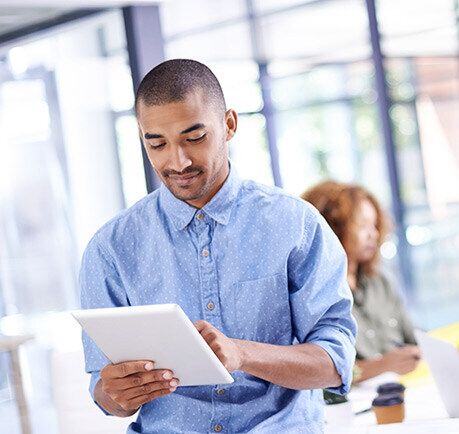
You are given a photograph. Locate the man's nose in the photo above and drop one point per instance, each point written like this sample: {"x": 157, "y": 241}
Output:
{"x": 179, "y": 161}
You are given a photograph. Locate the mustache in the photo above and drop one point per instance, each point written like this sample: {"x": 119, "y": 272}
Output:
{"x": 192, "y": 170}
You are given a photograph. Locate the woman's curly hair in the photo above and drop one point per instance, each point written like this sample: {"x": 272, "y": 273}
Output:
{"x": 337, "y": 202}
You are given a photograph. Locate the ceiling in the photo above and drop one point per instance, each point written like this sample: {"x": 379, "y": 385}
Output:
{"x": 14, "y": 18}
{"x": 26, "y": 13}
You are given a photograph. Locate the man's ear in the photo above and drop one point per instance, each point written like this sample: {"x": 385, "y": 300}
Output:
{"x": 231, "y": 123}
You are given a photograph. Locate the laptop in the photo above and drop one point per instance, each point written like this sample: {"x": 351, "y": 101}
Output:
{"x": 443, "y": 360}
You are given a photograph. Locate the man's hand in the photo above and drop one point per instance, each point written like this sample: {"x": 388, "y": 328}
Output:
{"x": 226, "y": 349}
{"x": 129, "y": 385}
{"x": 402, "y": 360}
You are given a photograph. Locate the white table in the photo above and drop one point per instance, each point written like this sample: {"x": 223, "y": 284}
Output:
{"x": 424, "y": 409}
{"x": 10, "y": 345}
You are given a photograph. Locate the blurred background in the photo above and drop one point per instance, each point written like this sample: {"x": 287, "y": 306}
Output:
{"x": 364, "y": 91}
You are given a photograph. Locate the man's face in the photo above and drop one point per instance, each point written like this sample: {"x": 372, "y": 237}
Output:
{"x": 186, "y": 143}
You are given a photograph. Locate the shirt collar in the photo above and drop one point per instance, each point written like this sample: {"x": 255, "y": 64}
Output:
{"x": 219, "y": 207}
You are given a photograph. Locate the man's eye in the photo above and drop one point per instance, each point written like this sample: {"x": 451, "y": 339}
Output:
{"x": 158, "y": 146}
{"x": 197, "y": 139}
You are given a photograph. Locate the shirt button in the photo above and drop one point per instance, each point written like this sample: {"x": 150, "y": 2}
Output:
{"x": 200, "y": 216}
{"x": 210, "y": 306}
{"x": 370, "y": 333}
{"x": 205, "y": 253}
{"x": 218, "y": 428}
{"x": 220, "y": 392}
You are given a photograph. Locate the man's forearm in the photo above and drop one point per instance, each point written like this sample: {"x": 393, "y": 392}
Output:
{"x": 108, "y": 404}
{"x": 302, "y": 366}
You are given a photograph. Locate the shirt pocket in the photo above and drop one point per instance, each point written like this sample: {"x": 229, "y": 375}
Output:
{"x": 263, "y": 309}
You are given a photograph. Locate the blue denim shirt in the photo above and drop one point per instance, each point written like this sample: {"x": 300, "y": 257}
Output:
{"x": 273, "y": 271}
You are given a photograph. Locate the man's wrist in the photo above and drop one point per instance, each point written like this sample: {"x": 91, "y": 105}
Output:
{"x": 244, "y": 350}
{"x": 110, "y": 406}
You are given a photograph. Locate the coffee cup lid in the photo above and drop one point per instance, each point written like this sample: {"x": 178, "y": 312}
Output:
{"x": 389, "y": 388}
{"x": 387, "y": 400}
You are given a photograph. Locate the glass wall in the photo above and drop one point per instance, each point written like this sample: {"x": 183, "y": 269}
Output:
{"x": 423, "y": 74}
{"x": 325, "y": 117}
{"x": 70, "y": 160}
{"x": 221, "y": 38}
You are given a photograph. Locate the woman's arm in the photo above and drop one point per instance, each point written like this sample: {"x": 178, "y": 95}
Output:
{"x": 400, "y": 360}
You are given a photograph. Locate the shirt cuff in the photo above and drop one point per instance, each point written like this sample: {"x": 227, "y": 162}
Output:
{"x": 95, "y": 377}
{"x": 342, "y": 352}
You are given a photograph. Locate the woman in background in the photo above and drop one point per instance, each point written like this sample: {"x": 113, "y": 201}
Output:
{"x": 385, "y": 339}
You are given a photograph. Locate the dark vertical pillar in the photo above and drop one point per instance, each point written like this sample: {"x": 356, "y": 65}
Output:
{"x": 145, "y": 46}
{"x": 265, "y": 85}
{"x": 384, "y": 104}
{"x": 269, "y": 114}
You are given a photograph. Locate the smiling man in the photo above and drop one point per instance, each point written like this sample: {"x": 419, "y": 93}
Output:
{"x": 259, "y": 272}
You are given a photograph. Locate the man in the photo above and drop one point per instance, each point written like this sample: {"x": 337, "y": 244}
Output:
{"x": 259, "y": 272}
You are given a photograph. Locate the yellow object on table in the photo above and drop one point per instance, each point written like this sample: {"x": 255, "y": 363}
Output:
{"x": 421, "y": 374}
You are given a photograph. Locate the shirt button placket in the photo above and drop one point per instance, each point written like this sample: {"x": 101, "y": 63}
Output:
{"x": 211, "y": 311}
{"x": 208, "y": 273}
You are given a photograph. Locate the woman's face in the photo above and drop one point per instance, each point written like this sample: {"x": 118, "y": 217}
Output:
{"x": 365, "y": 234}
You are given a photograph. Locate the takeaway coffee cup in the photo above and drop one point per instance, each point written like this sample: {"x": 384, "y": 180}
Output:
{"x": 389, "y": 408}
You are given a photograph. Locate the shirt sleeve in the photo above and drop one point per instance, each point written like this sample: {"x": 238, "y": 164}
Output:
{"x": 320, "y": 297}
{"x": 100, "y": 286}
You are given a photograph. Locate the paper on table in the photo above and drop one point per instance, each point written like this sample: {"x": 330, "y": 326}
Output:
{"x": 443, "y": 361}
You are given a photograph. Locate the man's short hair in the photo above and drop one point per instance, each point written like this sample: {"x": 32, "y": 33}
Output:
{"x": 173, "y": 80}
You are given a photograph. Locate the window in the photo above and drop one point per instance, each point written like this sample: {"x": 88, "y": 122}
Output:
{"x": 422, "y": 72}
{"x": 323, "y": 108}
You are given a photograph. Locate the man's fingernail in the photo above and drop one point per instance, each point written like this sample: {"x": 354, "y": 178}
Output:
{"x": 149, "y": 366}
{"x": 167, "y": 375}
{"x": 174, "y": 383}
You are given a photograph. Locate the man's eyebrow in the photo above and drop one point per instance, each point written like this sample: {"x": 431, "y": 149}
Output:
{"x": 152, "y": 136}
{"x": 188, "y": 130}
{"x": 192, "y": 128}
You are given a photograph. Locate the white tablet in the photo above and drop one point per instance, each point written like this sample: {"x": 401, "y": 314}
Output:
{"x": 161, "y": 333}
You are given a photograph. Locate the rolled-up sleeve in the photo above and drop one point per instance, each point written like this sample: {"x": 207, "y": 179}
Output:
{"x": 100, "y": 286}
{"x": 320, "y": 298}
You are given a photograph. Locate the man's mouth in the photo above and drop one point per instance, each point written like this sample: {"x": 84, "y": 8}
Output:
{"x": 185, "y": 179}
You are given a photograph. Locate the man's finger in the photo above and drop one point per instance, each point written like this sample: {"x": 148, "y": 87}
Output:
{"x": 201, "y": 325}
{"x": 209, "y": 335}
{"x": 148, "y": 388}
{"x": 140, "y": 379}
{"x": 140, "y": 400}
{"x": 124, "y": 369}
